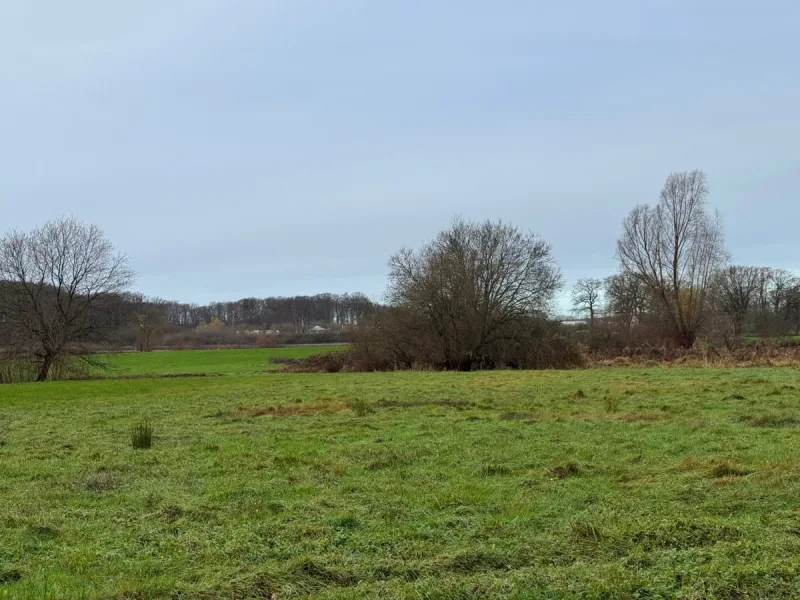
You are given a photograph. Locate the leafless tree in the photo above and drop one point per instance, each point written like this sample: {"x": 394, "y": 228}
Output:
{"x": 587, "y": 298}
{"x": 783, "y": 285}
{"x": 792, "y": 307}
{"x": 627, "y": 300}
{"x": 775, "y": 298}
{"x": 675, "y": 247}
{"x": 60, "y": 282}
{"x": 784, "y": 296}
{"x": 149, "y": 317}
{"x": 734, "y": 290}
{"x": 471, "y": 288}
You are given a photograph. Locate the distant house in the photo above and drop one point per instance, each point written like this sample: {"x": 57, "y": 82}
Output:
{"x": 317, "y": 329}
{"x": 258, "y": 332}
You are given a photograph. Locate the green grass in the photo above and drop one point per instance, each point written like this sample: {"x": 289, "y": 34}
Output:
{"x": 779, "y": 338}
{"x": 405, "y": 485}
{"x": 192, "y": 362}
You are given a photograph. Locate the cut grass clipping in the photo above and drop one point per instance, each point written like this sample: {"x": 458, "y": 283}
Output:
{"x": 142, "y": 436}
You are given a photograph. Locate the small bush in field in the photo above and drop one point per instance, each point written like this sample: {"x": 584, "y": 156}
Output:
{"x": 142, "y": 435}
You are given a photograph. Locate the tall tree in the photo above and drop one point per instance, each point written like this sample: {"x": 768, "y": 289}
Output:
{"x": 474, "y": 286}
{"x": 149, "y": 316}
{"x": 675, "y": 247}
{"x": 587, "y": 297}
{"x": 61, "y": 281}
{"x": 626, "y": 299}
{"x": 735, "y": 288}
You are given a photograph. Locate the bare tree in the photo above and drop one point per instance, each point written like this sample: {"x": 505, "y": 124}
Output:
{"x": 472, "y": 287}
{"x": 61, "y": 280}
{"x": 792, "y": 307}
{"x": 734, "y": 289}
{"x": 149, "y": 317}
{"x": 774, "y": 301}
{"x": 675, "y": 247}
{"x": 587, "y": 298}
{"x": 626, "y": 299}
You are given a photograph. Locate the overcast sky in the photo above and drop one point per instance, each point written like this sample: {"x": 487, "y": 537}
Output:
{"x": 249, "y": 148}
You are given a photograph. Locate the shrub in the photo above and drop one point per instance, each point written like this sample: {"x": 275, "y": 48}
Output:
{"x": 142, "y": 435}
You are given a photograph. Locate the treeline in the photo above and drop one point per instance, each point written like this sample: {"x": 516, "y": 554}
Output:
{"x": 147, "y": 323}
{"x": 479, "y": 295}
{"x": 296, "y": 313}
{"x": 743, "y": 303}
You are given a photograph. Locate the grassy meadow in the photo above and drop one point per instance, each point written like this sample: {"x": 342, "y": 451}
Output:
{"x": 193, "y": 362}
{"x": 623, "y": 483}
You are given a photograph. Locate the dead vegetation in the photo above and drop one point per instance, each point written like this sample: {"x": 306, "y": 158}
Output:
{"x": 571, "y": 468}
{"x": 761, "y": 354}
{"x": 771, "y": 420}
{"x": 284, "y": 410}
{"x": 366, "y": 358}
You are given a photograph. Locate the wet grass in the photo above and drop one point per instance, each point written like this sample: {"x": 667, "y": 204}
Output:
{"x": 405, "y": 485}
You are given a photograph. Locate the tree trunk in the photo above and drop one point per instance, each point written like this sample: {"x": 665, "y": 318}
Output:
{"x": 465, "y": 363}
{"x": 686, "y": 339}
{"x": 44, "y": 369}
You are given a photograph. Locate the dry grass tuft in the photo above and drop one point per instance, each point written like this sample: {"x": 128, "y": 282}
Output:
{"x": 100, "y": 482}
{"x": 725, "y": 469}
{"x": 771, "y": 420}
{"x": 304, "y": 410}
{"x": 641, "y": 417}
{"x": 571, "y": 468}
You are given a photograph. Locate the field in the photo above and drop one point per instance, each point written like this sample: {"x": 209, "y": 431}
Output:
{"x": 192, "y": 362}
{"x": 623, "y": 483}
{"x": 784, "y": 338}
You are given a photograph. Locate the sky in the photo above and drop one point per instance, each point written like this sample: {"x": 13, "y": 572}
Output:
{"x": 239, "y": 148}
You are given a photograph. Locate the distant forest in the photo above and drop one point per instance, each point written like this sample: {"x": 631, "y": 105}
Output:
{"x": 292, "y": 314}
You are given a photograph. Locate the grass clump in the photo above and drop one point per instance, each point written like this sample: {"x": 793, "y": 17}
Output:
{"x": 571, "y": 468}
{"x": 361, "y": 407}
{"x": 681, "y": 534}
{"x": 726, "y": 469}
{"x": 100, "y": 482}
{"x": 771, "y": 420}
{"x": 583, "y": 532}
{"x": 494, "y": 469}
{"x": 9, "y": 575}
{"x": 477, "y": 561}
{"x": 142, "y": 436}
